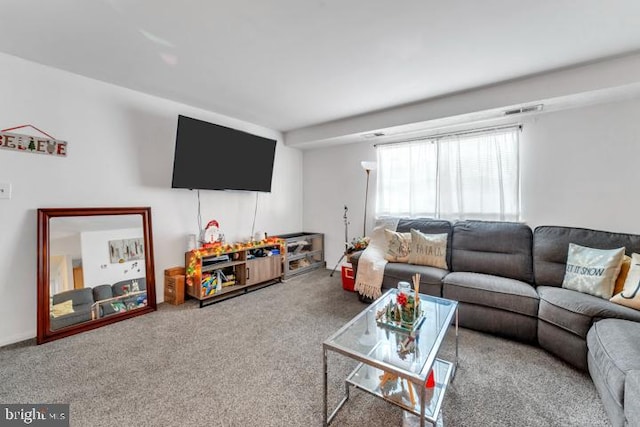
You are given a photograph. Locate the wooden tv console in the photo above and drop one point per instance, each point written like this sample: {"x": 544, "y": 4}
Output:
{"x": 239, "y": 267}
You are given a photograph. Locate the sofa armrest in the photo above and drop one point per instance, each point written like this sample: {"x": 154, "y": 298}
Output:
{"x": 632, "y": 398}
{"x": 354, "y": 257}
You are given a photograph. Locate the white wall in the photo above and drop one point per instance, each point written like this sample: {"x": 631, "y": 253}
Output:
{"x": 333, "y": 178}
{"x": 578, "y": 168}
{"x": 120, "y": 153}
{"x": 548, "y": 88}
{"x": 66, "y": 245}
{"x": 96, "y": 261}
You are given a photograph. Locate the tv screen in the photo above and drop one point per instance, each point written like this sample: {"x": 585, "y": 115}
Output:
{"x": 214, "y": 157}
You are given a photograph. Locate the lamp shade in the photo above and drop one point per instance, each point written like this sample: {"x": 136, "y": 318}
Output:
{"x": 368, "y": 166}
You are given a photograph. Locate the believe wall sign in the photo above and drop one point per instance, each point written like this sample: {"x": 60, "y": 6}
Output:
{"x": 32, "y": 144}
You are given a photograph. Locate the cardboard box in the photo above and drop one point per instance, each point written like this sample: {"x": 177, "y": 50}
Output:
{"x": 174, "y": 289}
{"x": 348, "y": 278}
{"x": 174, "y": 271}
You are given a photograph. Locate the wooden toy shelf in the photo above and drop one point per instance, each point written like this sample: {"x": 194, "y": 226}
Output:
{"x": 303, "y": 252}
{"x": 240, "y": 268}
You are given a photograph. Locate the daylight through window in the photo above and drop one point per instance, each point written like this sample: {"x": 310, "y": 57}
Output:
{"x": 465, "y": 176}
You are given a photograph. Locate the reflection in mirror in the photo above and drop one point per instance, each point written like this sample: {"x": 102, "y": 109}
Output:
{"x": 95, "y": 266}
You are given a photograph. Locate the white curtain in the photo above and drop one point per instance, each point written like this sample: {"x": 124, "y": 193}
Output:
{"x": 474, "y": 176}
{"x": 407, "y": 175}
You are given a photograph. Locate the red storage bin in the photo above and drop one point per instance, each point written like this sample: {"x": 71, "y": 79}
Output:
{"x": 348, "y": 279}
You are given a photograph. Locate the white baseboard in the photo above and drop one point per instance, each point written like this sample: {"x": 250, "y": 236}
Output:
{"x": 16, "y": 338}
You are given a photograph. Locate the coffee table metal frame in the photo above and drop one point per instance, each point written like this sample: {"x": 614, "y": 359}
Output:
{"x": 445, "y": 370}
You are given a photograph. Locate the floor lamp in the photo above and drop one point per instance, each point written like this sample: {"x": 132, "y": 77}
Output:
{"x": 346, "y": 240}
{"x": 368, "y": 167}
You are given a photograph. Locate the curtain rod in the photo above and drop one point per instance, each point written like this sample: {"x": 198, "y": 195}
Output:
{"x": 452, "y": 134}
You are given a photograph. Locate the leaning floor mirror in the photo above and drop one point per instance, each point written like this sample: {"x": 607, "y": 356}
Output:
{"x": 95, "y": 267}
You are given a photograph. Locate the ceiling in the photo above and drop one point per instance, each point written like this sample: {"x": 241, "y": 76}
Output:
{"x": 289, "y": 64}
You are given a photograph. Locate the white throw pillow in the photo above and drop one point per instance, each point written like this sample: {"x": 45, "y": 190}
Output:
{"x": 61, "y": 309}
{"x": 398, "y": 246}
{"x": 428, "y": 249}
{"x": 592, "y": 271}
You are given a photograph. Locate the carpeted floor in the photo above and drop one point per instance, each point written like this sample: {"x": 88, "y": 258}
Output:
{"x": 256, "y": 360}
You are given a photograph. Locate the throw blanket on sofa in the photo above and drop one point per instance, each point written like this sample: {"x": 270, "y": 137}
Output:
{"x": 372, "y": 262}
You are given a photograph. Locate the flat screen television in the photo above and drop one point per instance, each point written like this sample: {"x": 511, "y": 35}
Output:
{"x": 214, "y": 157}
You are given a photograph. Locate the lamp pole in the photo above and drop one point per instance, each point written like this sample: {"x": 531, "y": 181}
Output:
{"x": 366, "y": 200}
{"x": 368, "y": 167}
{"x": 346, "y": 240}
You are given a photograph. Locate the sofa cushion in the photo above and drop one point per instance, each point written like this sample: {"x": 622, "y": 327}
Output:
{"x": 118, "y": 288}
{"x": 614, "y": 346}
{"x": 81, "y": 313}
{"x": 492, "y": 247}
{"x": 491, "y": 291}
{"x": 101, "y": 292}
{"x": 592, "y": 271}
{"x": 576, "y": 312}
{"x": 78, "y": 296}
{"x": 551, "y": 246}
{"x": 404, "y": 272}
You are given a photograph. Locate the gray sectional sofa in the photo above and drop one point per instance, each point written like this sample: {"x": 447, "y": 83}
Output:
{"x": 83, "y": 302}
{"x": 508, "y": 281}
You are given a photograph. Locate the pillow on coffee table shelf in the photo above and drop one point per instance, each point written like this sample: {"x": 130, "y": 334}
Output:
{"x": 592, "y": 271}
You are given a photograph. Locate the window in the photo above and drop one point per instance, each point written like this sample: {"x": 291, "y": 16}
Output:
{"x": 465, "y": 176}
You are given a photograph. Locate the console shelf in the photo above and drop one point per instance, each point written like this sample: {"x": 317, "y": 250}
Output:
{"x": 303, "y": 252}
{"x": 245, "y": 270}
{"x": 212, "y": 267}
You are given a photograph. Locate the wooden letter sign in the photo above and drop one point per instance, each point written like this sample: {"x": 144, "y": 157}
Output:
{"x": 33, "y": 144}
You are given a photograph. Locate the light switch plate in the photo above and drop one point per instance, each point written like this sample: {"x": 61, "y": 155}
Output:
{"x": 5, "y": 190}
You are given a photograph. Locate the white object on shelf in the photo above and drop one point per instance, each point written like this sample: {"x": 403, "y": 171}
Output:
{"x": 191, "y": 242}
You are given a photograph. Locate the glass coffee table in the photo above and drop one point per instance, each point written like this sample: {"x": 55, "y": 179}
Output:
{"x": 395, "y": 365}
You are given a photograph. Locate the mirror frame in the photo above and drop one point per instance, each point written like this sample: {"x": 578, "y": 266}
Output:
{"x": 45, "y": 334}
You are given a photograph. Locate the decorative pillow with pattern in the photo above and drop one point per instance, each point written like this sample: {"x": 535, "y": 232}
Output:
{"x": 398, "y": 246}
{"x": 592, "y": 271}
{"x": 61, "y": 309}
{"x": 622, "y": 277}
{"x": 428, "y": 249}
{"x": 630, "y": 294}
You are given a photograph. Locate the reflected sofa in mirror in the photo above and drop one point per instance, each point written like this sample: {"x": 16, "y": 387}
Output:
{"x": 95, "y": 267}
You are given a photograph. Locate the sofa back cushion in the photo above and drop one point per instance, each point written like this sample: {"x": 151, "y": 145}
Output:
{"x": 101, "y": 292}
{"x": 78, "y": 296}
{"x": 551, "y": 247}
{"x": 118, "y": 287}
{"x": 428, "y": 226}
{"x": 493, "y": 247}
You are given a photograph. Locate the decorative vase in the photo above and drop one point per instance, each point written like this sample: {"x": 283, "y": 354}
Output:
{"x": 406, "y": 305}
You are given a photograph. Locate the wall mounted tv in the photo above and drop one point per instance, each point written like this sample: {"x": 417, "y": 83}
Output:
{"x": 214, "y": 157}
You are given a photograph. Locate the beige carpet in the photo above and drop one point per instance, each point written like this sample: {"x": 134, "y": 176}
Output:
{"x": 256, "y": 360}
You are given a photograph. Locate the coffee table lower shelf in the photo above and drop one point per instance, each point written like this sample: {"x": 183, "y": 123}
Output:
{"x": 367, "y": 378}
